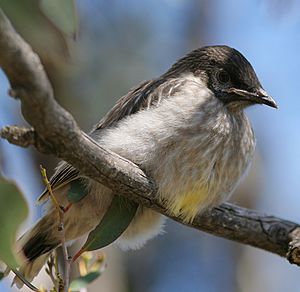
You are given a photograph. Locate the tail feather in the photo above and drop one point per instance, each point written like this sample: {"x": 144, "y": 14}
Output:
{"x": 35, "y": 247}
{"x": 31, "y": 269}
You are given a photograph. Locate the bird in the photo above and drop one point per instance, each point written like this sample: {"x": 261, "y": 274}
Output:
{"x": 186, "y": 129}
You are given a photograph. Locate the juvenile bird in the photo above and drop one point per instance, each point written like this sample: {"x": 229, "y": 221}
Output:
{"x": 186, "y": 129}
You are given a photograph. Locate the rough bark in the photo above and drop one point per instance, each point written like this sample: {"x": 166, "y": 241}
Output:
{"x": 55, "y": 131}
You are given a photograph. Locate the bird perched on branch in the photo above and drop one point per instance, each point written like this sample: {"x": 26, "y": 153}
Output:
{"x": 186, "y": 129}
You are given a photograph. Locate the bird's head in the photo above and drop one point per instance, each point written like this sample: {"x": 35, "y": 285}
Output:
{"x": 227, "y": 73}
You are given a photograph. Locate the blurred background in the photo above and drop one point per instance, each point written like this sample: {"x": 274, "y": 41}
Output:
{"x": 120, "y": 43}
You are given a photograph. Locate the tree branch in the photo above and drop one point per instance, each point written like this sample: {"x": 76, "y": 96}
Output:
{"x": 55, "y": 131}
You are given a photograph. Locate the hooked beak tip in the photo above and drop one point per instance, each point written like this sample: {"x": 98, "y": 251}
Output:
{"x": 267, "y": 99}
{"x": 270, "y": 102}
{"x": 259, "y": 96}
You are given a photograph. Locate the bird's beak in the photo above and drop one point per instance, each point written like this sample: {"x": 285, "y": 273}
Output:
{"x": 259, "y": 96}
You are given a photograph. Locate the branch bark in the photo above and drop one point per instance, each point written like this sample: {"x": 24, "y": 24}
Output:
{"x": 55, "y": 131}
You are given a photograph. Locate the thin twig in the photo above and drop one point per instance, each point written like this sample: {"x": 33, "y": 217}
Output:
{"x": 51, "y": 264}
{"x": 24, "y": 281}
{"x": 61, "y": 229}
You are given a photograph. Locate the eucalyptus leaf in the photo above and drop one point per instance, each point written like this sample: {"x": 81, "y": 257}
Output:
{"x": 77, "y": 191}
{"x": 13, "y": 211}
{"x": 34, "y": 25}
{"x": 114, "y": 223}
{"x": 83, "y": 281}
{"x": 62, "y": 13}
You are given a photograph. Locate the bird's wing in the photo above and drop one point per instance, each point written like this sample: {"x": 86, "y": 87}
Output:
{"x": 64, "y": 174}
{"x": 138, "y": 98}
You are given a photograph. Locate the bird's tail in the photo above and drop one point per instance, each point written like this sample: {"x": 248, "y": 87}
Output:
{"x": 36, "y": 245}
{"x": 83, "y": 216}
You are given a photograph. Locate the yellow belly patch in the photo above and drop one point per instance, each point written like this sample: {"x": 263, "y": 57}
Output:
{"x": 188, "y": 205}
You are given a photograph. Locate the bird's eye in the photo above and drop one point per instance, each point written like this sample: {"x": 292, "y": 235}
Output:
{"x": 223, "y": 77}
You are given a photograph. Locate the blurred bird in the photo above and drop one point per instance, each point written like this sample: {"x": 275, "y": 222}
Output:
{"x": 186, "y": 129}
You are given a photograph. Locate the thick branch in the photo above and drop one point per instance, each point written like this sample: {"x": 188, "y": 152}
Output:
{"x": 55, "y": 131}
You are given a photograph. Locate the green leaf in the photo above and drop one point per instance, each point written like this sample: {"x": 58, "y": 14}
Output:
{"x": 115, "y": 221}
{"x": 62, "y": 14}
{"x": 83, "y": 281}
{"x": 13, "y": 211}
{"x": 47, "y": 40}
{"x": 77, "y": 191}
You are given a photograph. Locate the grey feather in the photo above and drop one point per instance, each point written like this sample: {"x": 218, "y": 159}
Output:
{"x": 144, "y": 96}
